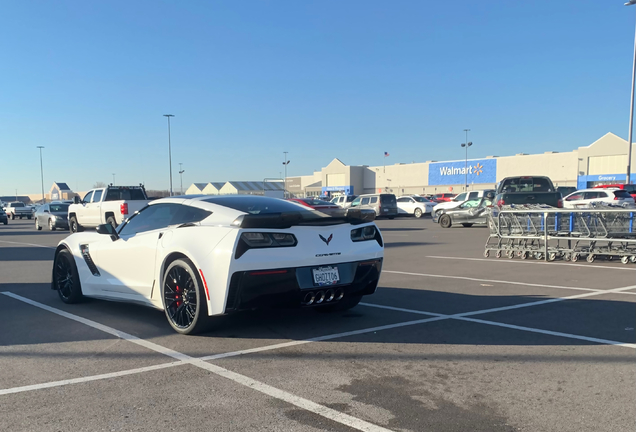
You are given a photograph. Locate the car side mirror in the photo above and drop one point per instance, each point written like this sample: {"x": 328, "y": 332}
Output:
{"x": 109, "y": 230}
{"x": 76, "y": 200}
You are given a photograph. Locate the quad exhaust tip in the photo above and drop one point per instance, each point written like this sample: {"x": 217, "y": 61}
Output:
{"x": 319, "y": 297}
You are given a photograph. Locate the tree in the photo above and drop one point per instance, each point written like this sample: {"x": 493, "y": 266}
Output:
{"x": 99, "y": 185}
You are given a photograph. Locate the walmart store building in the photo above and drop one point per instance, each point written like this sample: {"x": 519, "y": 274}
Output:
{"x": 602, "y": 162}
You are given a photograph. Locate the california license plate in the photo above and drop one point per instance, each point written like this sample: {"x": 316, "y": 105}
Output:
{"x": 326, "y": 276}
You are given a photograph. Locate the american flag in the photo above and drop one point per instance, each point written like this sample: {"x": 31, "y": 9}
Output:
{"x": 386, "y": 154}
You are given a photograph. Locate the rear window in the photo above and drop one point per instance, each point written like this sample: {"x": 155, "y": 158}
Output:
{"x": 526, "y": 184}
{"x": 350, "y": 198}
{"x": 420, "y": 199}
{"x": 315, "y": 202}
{"x": 622, "y": 194}
{"x": 59, "y": 208}
{"x": 258, "y": 205}
{"x": 117, "y": 194}
{"x": 388, "y": 199}
{"x": 17, "y": 204}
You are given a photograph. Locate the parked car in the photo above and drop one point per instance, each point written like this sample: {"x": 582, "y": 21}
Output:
{"x": 319, "y": 205}
{"x": 106, "y": 205}
{"x": 629, "y": 188}
{"x": 414, "y": 205}
{"x": 384, "y": 205}
{"x": 344, "y": 201}
{"x": 528, "y": 190}
{"x": 585, "y": 197}
{"x": 17, "y": 209}
{"x": 3, "y": 217}
{"x": 53, "y": 216}
{"x": 443, "y": 197}
{"x": 457, "y": 200}
{"x": 224, "y": 254}
{"x": 467, "y": 214}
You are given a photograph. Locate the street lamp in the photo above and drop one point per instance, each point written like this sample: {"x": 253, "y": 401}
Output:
{"x": 41, "y": 172}
{"x": 466, "y": 145}
{"x": 113, "y": 179}
{"x": 286, "y": 162}
{"x": 181, "y": 171}
{"x": 631, "y": 110}
{"x": 169, "y": 150}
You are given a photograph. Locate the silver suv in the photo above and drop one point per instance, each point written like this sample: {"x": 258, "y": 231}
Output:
{"x": 385, "y": 205}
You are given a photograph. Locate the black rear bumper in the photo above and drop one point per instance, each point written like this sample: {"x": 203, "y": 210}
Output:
{"x": 289, "y": 287}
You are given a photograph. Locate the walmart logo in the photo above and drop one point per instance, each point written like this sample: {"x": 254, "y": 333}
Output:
{"x": 479, "y": 168}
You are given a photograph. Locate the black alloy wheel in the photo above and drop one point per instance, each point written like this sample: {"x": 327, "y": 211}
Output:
{"x": 73, "y": 226}
{"x": 65, "y": 277}
{"x": 183, "y": 298}
{"x": 445, "y": 221}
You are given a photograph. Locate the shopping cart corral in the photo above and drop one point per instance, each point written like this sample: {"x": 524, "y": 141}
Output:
{"x": 549, "y": 233}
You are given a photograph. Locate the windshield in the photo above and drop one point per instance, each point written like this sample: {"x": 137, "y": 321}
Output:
{"x": 128, "y": 194}
{"x": 526, "y": 184}
{"x": 59, "y": 208}
{"x": 259, "y": 205}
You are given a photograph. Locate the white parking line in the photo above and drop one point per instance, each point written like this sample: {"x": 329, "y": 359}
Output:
{"x": 465, "y": 316}
{"x": 491, "y": 280}
{"x": 588, "y": 266}
{"x": 88, "y": 378}
{"x": 298, "y": 401}
{"x": 28, "y": 244}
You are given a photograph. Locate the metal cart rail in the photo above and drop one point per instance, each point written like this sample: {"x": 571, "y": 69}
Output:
{"x": 547, "y": 233}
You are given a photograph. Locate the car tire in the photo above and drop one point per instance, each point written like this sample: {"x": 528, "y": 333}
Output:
{"x": 111, "y": 220}
{"x": 348, "y": 302}
{"x": 51, "y": 225}
{"x": 65, "y": 277}
{"x": 417, "y": 213}
{"x": 37, "y": 225}
{"x": 73, "y": 225}
{"x": 391, "y": 217}
{"x": 445, "y": 221}
{"x": 12, "y": 216}
{"x": 181, "y": 281}
{"x": 29, "y": 217}
{"x": 467, "y": 225}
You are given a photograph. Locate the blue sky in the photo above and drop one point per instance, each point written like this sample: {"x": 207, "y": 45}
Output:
{"x": 248, "y": 80}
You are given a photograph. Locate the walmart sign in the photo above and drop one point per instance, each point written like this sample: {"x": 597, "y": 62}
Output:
{"x": 452, "y": 173}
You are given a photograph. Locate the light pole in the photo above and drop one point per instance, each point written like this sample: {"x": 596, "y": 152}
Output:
{"x": 181, "y": 171}
{"x": 113, "y": 179}
{"x": 286, "y": 162}
{"x": 41, "y": 173}
{"x": 631, "y": 110}
{"x": 169, "y": 150}
{"x": 466, "y": 145}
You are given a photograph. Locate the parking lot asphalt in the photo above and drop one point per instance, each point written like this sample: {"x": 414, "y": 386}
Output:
{"x": 451, "y": 341}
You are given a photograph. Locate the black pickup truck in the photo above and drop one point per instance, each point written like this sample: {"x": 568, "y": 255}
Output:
{"x": 528, "y": 190}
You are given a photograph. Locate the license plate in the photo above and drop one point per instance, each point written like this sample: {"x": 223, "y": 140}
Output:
{"x": 326, "y": 276}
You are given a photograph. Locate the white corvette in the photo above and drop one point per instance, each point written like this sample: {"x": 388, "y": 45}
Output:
{"x": 196, "y": 257}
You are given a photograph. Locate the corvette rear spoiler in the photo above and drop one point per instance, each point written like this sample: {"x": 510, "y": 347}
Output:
{"x": 289, "y": 219}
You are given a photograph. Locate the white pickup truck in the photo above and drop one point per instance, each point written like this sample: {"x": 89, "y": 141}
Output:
{"x": 111, "y": 205}
{"x": 17, "y": 209}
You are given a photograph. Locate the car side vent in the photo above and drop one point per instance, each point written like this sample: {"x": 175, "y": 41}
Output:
{"x": 233, "y": 293}
{"x": 89, "y": 261}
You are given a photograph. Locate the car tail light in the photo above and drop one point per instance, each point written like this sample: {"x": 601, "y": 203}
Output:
{"x": 369, "y": 232}
{"x": 259, "y": 240}
{"x": 124, "y": 208}
{"x": 560, "y": 203}
{"x": 501, "y": 203}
